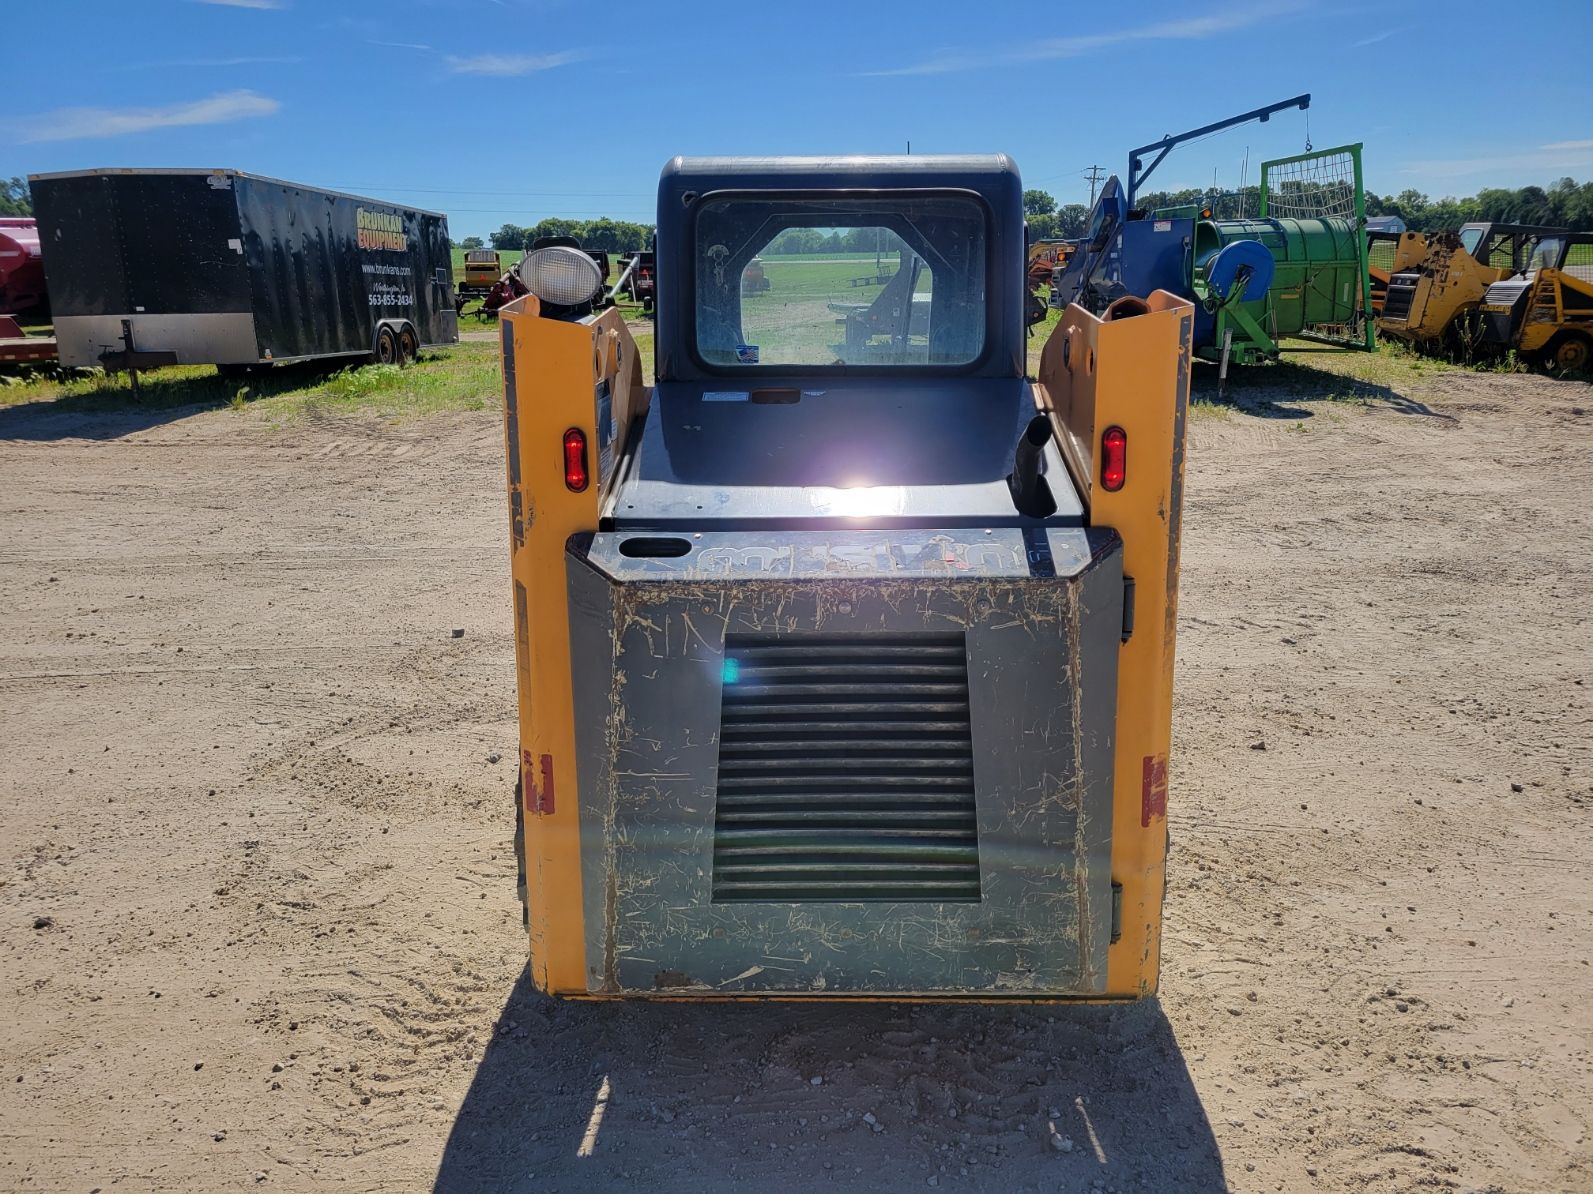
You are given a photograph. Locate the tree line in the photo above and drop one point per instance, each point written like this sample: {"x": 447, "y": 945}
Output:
{"x": 1564, "y": 204}
{"x": 1049, "y": 220}
{"x": 15, "y": 199}
{"x": 835, "y": 240}
{"x": 613, "y": 236}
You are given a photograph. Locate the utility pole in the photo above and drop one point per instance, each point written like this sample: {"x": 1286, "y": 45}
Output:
{"x": 1094, "y": 174}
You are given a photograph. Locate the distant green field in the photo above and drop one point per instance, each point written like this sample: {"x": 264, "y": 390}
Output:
{"x": 888, "y": 259}
{"x": 794, "y": 319}
{"x": 794, "y": 277}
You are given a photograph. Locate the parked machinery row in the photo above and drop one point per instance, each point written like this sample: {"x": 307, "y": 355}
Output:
{"x": 1491, "y": 288}
{"x": 1297, "y": 270}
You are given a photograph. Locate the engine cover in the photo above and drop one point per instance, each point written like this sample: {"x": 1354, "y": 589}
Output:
{"x": 846, "y": 761}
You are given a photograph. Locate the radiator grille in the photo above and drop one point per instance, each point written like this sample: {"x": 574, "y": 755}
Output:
{"x": 845, "y": 770}
{"x": 1401, "y": 290}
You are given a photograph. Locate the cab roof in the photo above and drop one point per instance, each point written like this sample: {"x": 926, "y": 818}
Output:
{"x": 987, "y": 173}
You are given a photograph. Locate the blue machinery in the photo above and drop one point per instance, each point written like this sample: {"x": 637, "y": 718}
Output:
{"x": 1299, "y": 273}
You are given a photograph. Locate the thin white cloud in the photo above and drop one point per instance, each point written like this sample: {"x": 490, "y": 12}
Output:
{"x": 397, "y": 45}
{"x": 1560, "y": 158}
{"x": 1050, "y": 49}
{"x": 72, "y": 124}
{"x": 1375, "y": 38}
{"x": 511, "y": 64}
{"x": 200, "y": 63}
{"x": 243, "y": 3}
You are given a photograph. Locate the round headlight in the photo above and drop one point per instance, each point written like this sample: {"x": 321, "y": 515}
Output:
{"x": 561, "y": 275}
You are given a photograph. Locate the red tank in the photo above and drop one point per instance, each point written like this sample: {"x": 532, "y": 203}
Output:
{"x": 21, "y": 266}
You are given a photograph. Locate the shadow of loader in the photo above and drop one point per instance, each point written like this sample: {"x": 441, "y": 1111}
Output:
{"x": 793, "y": 1096}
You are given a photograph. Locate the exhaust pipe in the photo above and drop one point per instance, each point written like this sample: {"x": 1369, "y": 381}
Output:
{"x": 1031, "y": 494}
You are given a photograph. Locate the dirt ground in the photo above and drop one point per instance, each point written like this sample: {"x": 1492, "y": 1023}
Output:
{"x": 257, "y": 912}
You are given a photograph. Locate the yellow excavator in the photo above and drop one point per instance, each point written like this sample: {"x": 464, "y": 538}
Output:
{"x": 1437, "y": 281}
{"x": 844, "y": 657}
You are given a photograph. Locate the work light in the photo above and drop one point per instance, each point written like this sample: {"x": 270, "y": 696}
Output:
{"x": 561, "y": 275}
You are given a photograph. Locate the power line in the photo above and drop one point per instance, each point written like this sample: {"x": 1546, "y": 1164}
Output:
{"x": 526, "y": 208}
{"x": 1094, "y": 174}
{"x": 387, "y": 186}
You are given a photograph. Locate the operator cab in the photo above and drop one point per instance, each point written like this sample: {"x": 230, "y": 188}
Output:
{"x": 861, "y": 322}
{"x": 1503, "y": 246}
{"x": 1571, "y": 252}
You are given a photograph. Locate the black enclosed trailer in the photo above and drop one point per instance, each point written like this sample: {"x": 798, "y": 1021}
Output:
{"x": 193, "y": 267}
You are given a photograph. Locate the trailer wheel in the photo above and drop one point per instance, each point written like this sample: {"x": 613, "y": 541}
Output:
{"x": 408, "y": 345}
{"x": 1569, "y": 352}
{"x": 386, "y": 346}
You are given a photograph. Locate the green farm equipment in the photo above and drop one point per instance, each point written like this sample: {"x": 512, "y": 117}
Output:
{"x": 1298, "y": 270}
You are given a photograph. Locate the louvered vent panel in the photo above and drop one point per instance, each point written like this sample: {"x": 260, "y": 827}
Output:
{"x": 845, "y": 770}
{"x": 1401, "y": 292}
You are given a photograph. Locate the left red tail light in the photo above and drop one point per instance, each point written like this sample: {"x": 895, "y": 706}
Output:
{"x": 576, "y": 477}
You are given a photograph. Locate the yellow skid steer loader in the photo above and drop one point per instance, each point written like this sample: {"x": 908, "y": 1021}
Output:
{"x": 845, "y": 660}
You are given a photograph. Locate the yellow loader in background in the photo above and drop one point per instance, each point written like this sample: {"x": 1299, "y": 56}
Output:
{"x": 1437, "y": 280}
{"x": 1546, "y": 313}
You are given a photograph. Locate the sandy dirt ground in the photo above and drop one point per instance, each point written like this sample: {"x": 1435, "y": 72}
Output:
{"x": 257, "y": 913}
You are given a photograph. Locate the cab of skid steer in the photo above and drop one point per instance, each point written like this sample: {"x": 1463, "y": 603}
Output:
{"x": 833, "y": 676}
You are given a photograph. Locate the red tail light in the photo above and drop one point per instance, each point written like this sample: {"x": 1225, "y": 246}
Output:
{"x": 575, "y": 475}
{"x": 1114, "y": 459}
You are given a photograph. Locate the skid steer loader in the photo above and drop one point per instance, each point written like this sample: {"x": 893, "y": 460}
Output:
{"x": 1437, "y": 281}
{"x": 1545, "y": 312}
{"x": 844, "y": 661}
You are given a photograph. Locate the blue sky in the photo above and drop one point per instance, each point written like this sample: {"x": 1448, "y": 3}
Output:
{"x": 495, "y": 110}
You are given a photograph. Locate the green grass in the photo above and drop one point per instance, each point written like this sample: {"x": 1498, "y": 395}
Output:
{"x": 801, "y": 277}
{"x": 1039, "y": 334}
{"x": 1390, "y": 376}
{"x": 644, "y": 348}
{"x": 461, "y": 377}
{"x": 1387, "y": 375}
{"x": 792, "y": 320}
{"x": 887, "y": 260}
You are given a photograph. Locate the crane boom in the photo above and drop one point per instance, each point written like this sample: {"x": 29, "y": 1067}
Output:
{"x": 1138, "y": 172}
